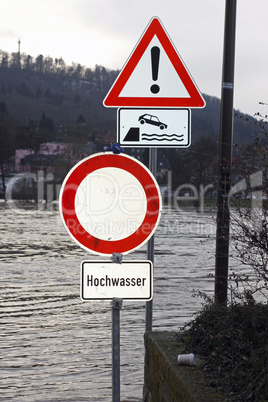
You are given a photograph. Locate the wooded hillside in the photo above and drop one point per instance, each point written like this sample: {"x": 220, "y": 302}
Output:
{"x": 69, "y": 95}
{"x": 43, "y": 100}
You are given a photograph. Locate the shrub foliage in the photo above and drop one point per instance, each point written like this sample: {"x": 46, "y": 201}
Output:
{"x": 232, "y": 343}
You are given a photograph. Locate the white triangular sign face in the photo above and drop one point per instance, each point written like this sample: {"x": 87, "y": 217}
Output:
{"x": 140, "y": 81}
{"x": 154, "y": 75}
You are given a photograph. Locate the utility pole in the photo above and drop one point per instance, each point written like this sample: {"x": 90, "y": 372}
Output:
{"x": 225, "y": 155}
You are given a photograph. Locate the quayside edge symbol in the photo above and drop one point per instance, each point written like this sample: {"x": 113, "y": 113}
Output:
{"x": 133, "y": 135}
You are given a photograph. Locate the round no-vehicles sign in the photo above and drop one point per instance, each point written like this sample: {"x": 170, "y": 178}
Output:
{"x": 110, "y": 203}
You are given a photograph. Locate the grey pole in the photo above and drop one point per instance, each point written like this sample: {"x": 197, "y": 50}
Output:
{"x": 150, "y": 246}
{"x": 116, "y": 307}
{"x": 225, "y": 160}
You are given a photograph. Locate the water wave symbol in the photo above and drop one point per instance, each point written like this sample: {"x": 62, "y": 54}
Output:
{"x": 162, "y": 137}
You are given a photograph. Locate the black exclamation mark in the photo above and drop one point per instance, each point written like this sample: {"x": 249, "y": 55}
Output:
{"x": 155, "y": 55}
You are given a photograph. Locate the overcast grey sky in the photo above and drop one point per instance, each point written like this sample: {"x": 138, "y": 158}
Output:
{"x": 105, "y": 32}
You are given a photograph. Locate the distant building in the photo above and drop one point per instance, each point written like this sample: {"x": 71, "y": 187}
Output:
{"x": 27, "y": 160}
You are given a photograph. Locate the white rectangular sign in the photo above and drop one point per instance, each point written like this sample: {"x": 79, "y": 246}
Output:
{"x": 164, "y": 128}
{"x": 104, "y": 280}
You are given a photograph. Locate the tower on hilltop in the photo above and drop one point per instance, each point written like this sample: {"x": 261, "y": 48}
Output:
{"x": 19, "y": 65}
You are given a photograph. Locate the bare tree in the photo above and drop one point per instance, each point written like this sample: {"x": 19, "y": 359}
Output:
{"x": 249, "y": 236}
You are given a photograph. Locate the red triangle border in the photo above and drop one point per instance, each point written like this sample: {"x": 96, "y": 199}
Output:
{"x": 154, "y": 28}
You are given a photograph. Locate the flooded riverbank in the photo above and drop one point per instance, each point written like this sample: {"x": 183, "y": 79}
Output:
{"x": 57, "y": 347}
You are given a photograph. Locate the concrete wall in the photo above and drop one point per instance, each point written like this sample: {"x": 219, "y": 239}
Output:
{"x": 165, "y": 380}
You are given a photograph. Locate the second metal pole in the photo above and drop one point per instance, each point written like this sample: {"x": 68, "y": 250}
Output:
{"x": 150, "y": 245}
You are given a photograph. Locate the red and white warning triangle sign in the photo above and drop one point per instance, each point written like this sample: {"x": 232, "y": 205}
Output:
{"x": 154, "y": 75}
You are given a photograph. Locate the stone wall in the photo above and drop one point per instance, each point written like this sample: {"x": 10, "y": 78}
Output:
{"x": 165, "y": 380}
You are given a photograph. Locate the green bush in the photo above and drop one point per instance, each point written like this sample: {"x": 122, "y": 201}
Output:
{"x": 232, "y": 341}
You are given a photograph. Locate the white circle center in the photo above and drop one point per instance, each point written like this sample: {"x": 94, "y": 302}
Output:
{"x": 110, "y": 203}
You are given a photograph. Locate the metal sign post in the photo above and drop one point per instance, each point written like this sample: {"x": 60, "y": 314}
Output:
{"x": 116, "y": 307}
{"x": 150, "y": 246}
